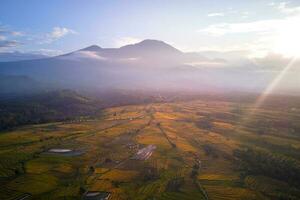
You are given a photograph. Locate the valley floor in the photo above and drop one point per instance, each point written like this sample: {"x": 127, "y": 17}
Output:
{"x": 198, "y": 152}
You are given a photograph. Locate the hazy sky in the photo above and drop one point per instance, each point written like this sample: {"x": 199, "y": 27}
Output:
{"x": 253, "y": 27}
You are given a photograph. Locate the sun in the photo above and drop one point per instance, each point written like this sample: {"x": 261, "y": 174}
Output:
{"x": 287, "y": 41}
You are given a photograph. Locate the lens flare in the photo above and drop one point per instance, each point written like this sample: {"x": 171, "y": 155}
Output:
{"x": 273, "y": 84}
{"x": 261, "y": 99}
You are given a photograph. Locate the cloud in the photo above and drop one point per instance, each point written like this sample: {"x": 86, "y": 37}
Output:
{"x": 278, "y": 35}
{"x": 208, "y": 64}
{"x": 284, "y": 7}
{"x": 216, "y": 14}
{"x": 58, "y": 33}
{"x": 4, "y": 31}
{"x": 131, "y": 59}
{"x": 258, "y": 26}
{"x": 9, "y": 43}
{"x": 244, "y": 27}
{"x": 244, "y": 14}
{"x": 229, "y": 12}
{"x": 122, "y": 41}
{"x": 272, "y": 60}
{"x": 17, "y": 33}
{"x": 7, "y": 38}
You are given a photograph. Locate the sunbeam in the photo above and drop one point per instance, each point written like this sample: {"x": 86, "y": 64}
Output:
{"x": 269, "y": 89}
{"x": 273, "y": 84}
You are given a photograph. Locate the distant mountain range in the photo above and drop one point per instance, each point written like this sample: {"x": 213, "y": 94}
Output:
{"x": 148, "y": 65}
{"x": 10, "y": 84}
{"x": 18, "y": 56}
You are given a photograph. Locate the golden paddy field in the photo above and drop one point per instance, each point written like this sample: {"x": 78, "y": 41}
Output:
{"x": 193, "y": 158}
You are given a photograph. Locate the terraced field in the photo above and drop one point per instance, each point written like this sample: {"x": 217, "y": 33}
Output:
{"x": 195, "y": 155}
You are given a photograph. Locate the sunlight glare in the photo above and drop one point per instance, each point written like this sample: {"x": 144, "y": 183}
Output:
{"x": 287, "y": 40}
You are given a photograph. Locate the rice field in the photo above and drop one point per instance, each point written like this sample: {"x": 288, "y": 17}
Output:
{"x": 193, "y": 159}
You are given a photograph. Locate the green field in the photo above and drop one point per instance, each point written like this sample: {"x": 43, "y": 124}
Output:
{"x": 205, "y": 150}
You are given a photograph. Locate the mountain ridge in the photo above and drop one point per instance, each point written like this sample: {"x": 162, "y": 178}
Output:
{"x": 150, "y": 64}
{"x": 147, "y": 43}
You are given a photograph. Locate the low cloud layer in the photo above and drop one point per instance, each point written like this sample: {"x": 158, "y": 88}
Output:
{"x": 78, "y": 55}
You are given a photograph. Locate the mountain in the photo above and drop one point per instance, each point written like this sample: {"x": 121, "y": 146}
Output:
{"x": 19, "y": 85}
{"x": 18, "y": 56}
{"x": 147, "y": 65}
{"x": 145, "y": 46}
{"x": 46, "y": 107}
{"x": 92, "y": 48}
{"x": 147, "y": 49}
{"x": 101, "y": 68}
